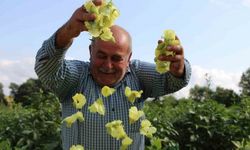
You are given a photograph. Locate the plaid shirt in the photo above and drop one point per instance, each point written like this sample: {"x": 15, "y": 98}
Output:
{"x": 67, "y": 77}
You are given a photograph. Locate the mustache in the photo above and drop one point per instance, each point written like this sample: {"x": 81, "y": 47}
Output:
{"x": 106, "y": 70}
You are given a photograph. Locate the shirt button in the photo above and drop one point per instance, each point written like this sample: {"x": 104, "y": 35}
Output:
{"x": 113, "y": 109}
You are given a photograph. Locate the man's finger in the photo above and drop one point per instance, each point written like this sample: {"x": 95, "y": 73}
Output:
{"x": 174, "y": 58}
{"x": 97, "y": 2}
{"x": 81, "y": 15}
{"x": 83, "y": 9}
{"x": 160, "y": 41}
{"x": 178, "y": 49}
{"x": 88, "y": 17}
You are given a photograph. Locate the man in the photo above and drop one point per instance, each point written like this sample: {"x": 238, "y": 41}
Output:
{"x": 109, "y": 65}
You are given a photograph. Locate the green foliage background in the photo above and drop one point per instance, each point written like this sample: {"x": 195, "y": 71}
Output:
{"x": 209, "y": 119}
{"x": 188, "y": 124}
{"x": 33, "y": 124}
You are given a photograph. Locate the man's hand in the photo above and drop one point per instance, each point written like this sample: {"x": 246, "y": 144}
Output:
{"x": 74, "y": 26}
{"x": 177, "y": 61}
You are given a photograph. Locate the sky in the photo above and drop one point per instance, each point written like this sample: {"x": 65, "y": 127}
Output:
{"x": 214, "y": 34}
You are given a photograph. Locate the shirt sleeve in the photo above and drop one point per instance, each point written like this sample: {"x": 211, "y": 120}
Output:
{"x": 56, "y": 73}
{"x": 154, "y": 84}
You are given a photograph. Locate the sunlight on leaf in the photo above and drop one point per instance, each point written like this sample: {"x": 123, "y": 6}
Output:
{"x": 79, "y": 100}
{"x": 98, "y": 107}
{"x": 115, "y": 129}
{"x": 132, "y": 95}
{"x": 71, "y": 119}
{"x": 105, "y": 14}
{"x": 126, "y": 142}
{"x": 76, "y": 147}
{"x": 161, "y": 49}
{"x": 147, "y": 129}
{"x": 134, "y": 114}
{"x": 107, "y": 91}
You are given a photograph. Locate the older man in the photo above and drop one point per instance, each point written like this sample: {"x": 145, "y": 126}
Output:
{"x": 109, "y": 65}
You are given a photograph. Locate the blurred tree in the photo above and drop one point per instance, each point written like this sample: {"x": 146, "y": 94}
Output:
{"x": 23, "y": 92}
{"x": 13, "y": 89}
{"x": 200, "y": 93}
{"x": 208, "y": 79}
{"x": 1, "y": 93}
{"x": 245, "y": 83}
{"x": 33, "y": 127}
{"x": 225, "y": 96}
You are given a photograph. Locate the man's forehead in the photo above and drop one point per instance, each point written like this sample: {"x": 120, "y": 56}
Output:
{"x": 116, "y": 52}
{"x": 122, "y": 40}
{"x": 100, "y": 44}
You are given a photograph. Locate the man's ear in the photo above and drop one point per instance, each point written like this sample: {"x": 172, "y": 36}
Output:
{"x": 129, "y": 57}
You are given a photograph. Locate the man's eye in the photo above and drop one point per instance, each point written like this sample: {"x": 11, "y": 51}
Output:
{"x": 101, "y": 56}
{"x": 116, "y": 59}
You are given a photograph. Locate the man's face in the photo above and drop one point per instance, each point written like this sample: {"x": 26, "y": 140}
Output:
{"x": 109, "y": 62}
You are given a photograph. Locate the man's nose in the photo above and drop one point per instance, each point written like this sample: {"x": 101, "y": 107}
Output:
{"x": 108, "y": 63}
